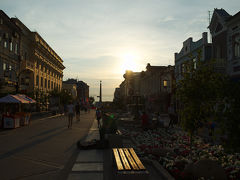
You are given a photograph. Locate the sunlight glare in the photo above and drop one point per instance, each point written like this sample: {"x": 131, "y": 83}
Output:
{"x": 129, "y": 62}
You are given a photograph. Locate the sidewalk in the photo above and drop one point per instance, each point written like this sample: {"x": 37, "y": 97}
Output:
{"x": 89, "y": 163}
{"x": 97, "y": 163}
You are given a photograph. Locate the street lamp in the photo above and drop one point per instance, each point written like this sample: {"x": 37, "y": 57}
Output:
{"x": 17, "y": 77}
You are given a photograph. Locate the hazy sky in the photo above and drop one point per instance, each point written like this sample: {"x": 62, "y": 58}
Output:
{"x": 99, "y": 39}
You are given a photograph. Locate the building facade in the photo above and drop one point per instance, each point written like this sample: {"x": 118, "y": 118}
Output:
{"x": 157, "y": 84}
{"x": 192, "y": 52}
{"x": 150, "y": 89}
{"x": 37, "y": 66}
{"x": 225, "y": 30}
{"x": 70, "y": 88}
{"x": 10, "y": 36}
{"x": 82, "y": 92}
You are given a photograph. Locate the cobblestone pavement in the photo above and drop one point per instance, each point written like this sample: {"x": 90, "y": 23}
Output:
{"x": 43, "y": 150}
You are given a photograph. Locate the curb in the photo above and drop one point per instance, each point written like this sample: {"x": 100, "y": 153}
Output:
{"x": 161, "y": 170}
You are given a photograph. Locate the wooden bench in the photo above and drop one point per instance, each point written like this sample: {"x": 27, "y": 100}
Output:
{"x": 128, "y": 165}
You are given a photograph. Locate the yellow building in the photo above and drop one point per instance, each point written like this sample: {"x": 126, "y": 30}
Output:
{"x": 40, "y": 66}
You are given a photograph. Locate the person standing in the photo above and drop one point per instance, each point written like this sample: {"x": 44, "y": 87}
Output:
{"x": 171, "y": 114}
{"x": 77, "y": 110}
{"x": 70, "y": 109}
{"x": 98, "y": 116}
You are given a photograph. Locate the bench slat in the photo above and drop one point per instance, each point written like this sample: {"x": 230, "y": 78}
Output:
{"x": 118, "y": 160}
{"x": 137, "y": 160}
{"x": 124, "y": 159}
{"x": 130, "y": 159}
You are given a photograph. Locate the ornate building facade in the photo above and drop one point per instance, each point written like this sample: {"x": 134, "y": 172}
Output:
{"x": 28, "y": 56}
{"x": 9, "y": 53}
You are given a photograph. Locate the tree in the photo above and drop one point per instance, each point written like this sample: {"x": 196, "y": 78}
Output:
{"x": 64, "y": 96}
{"x": 198, "y": 93}
{"x": 227, "y": 114}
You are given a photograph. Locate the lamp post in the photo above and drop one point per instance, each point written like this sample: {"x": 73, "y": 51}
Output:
{"x": 17, "y": 77}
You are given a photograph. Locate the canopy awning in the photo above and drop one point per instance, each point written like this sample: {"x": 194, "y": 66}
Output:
{"x": 18, "y": 98}
{"x": 23, "y": 96}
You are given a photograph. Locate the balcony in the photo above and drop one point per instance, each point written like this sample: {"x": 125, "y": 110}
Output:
{"x": 27, "y": 65}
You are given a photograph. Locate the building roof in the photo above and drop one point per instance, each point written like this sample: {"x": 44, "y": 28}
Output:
{"x": 234, "y": 16}
{"x": 221, "y": 12}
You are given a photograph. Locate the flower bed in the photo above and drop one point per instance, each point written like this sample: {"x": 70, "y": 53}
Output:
{"x": 171, "y": 149}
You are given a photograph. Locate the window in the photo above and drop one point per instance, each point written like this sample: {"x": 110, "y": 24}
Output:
{"x": 10, "y": 67}
{"x": 41, "y": 81}
{"x": 5, "y": 44}
{"x": 37, "y": 80}
{"x": 218, "y": 28}
{"x": 165, "y": 83}
{"x": 51, "y": 85}
{"x": 182, "y": 68}
{"x": 237, "y": 50}
{"x": 194, "y": 63}
{"x": 45, "y": 83}
{"x": 11, "y": 46}
{"x": 48, "y": 84}
{"x": 4, "y": 66}
{"x": 237, "y": 46}
{"x": 16, "y": 48}
{"x": 27, "y": 81}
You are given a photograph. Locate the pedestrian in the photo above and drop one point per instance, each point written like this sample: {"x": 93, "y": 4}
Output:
{"x": 98, "y": 116}
{"x": 171, "y": 115}
{"x": 70, "y": 110}
{"x": 212, "y": 128}
{"x": 77, "y": 110}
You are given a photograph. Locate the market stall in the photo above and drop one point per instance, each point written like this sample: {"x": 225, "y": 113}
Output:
{"x": 12, "y": 114}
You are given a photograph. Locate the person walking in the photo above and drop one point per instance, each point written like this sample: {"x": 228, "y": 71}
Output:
{"x": 70, "y": 110}
{"x": 77, "y": 110}
{"x": 98, "y": 116}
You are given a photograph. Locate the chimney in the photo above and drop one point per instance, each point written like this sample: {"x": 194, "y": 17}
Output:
{"x": 204, "y": 37}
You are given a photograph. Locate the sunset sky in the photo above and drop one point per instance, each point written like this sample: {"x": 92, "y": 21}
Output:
{"x": 99, "y": 39}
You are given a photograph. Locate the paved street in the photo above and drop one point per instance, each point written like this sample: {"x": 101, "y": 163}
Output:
{"x": 44, "y": 150}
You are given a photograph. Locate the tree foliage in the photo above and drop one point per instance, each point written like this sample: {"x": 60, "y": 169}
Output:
{"x": 63, "y": 95}
{"x": 198, "y": 92}
{"x": 206, "y": 95}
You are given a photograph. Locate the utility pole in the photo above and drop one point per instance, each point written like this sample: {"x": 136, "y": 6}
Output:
{"x": 100, "y": 94}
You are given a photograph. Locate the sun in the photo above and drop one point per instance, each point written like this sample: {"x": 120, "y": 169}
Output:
{"x": 129, "y": 62}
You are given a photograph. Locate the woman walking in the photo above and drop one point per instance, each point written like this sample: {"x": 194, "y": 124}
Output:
{"x": 70, "y": 109}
